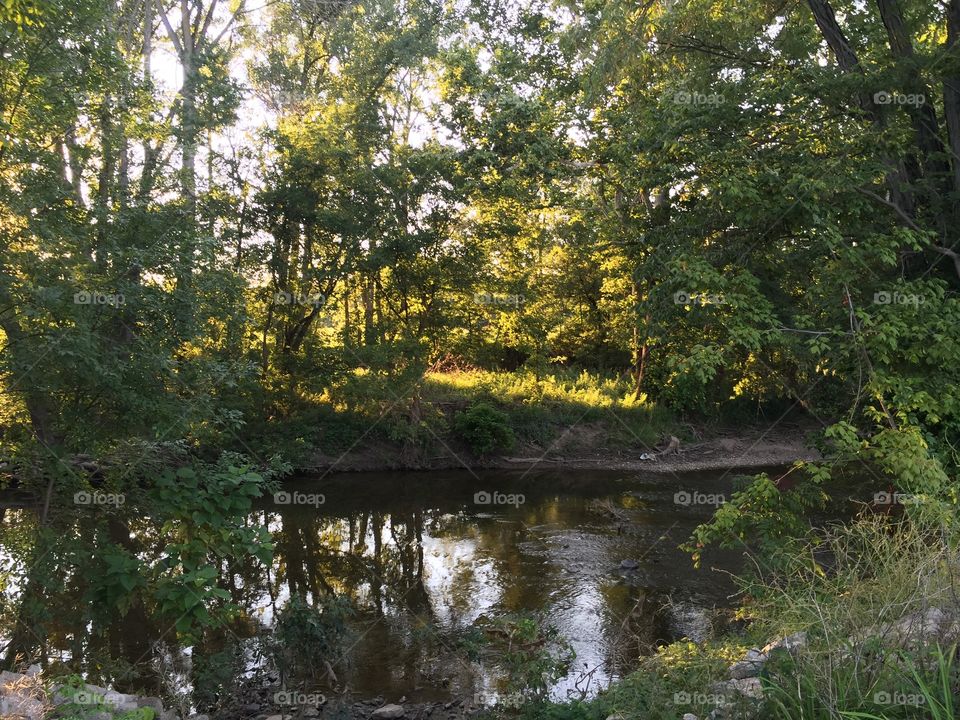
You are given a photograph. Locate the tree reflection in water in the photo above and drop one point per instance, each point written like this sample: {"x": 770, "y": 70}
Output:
{"x": 422, "y": 565}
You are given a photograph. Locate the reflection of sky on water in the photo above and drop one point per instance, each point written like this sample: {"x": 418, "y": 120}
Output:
{"x": 556, "y": 557}
{"x": 445, "y": 563}
{"x": 462, "y": 585}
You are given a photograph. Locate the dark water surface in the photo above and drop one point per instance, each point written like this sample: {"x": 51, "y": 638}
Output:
{"x": 425, "y": 562}
{"x": 430, "y": 560}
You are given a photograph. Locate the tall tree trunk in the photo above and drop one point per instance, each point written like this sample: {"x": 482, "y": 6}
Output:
{"x": 951, "y": 92}
{"x": 923, "y": 116}
{"x": 900, "y": 173}
{"x": 40, "y": 406}
{"x": 367, "y": 297}
{"x": 188, "y": 147}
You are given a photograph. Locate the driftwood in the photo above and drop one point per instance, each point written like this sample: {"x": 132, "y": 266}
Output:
{"x": 672, "y": 447}
{"x": 667, "y": 446}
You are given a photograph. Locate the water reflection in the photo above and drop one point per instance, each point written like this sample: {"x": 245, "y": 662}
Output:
{"x": 423, "y": 564}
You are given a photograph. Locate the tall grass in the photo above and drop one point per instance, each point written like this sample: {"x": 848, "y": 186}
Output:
{"x": 880, "y": 603}
{"x": 538, "y": 406}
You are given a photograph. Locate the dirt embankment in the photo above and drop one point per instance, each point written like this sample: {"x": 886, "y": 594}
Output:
{"x": 584, "y": 448}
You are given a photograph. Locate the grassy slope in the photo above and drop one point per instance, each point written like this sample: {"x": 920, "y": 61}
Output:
{"x": 381, "y": 414}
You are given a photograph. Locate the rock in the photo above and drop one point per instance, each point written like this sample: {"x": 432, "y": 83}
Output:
{"x": 121, "y": 702}
{"x": 388, "y": 712}
{"x": 10, "y": 678}
{"x": 33, "y": 670}
{"x": 748, "y": 687}
{"x": 311, "y": 711}
{"x": 17, "y": 705}
{"x": 750, "y": 666}
{"x": 911, "y": 629}
{"x": 689, "y": 716}
{"x": 169, "y": 715}
{"x": 690, "y": 621}
{"x": 151, "y": 702}
{"x": 921, "y": 625}
{"x": 96, "y": 689}
{"x": 629, "y": 564}
{"x": 743, "y": 669}
{"x": 207, "y": 717}
{"x": 278, "y": 717}
{"x": 790, "y": 643}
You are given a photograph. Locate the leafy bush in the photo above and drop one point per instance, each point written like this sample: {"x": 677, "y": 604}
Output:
{"x": 531, "y": 653}
{"x": 484, "y": 428}
{"x": 675, "y": 681}
{"x": 308, "y": 636}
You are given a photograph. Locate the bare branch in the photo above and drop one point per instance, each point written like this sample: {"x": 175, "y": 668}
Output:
{"x": 170, "y": 32}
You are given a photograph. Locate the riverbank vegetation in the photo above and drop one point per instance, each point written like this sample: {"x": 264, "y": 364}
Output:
{"x": 238, "y": 239}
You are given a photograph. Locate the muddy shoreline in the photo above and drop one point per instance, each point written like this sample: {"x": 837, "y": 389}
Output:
{"x": 726, "y": 451}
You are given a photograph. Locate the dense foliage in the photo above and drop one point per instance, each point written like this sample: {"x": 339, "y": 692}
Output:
{"x": 233, "y": 236}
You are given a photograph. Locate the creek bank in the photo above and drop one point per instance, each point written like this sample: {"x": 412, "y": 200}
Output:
{"x": 586, "y": 450}
{"x": 743, "y": 689}
{"x": 25, "y": 696}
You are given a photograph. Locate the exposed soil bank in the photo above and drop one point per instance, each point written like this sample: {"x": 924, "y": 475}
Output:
{"x": 583, "y": 448}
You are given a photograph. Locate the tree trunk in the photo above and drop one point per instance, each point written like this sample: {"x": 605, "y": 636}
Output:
{"x": 951, "y": 92}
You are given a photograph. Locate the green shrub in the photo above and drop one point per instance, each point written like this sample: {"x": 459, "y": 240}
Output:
{"x": 530, "y": 652}
{"x": 308, "y": 636}
{"x": 484, "y": 428}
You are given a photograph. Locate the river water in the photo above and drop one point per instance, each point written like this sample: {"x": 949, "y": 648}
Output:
{"x": 426, "y": 558}
{"x": 432, "y": 564}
